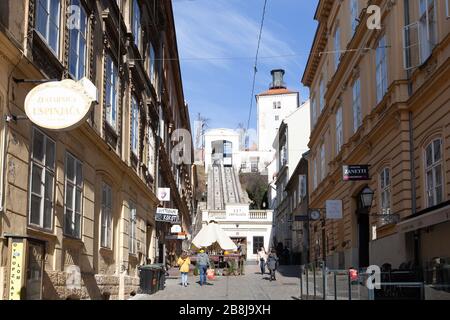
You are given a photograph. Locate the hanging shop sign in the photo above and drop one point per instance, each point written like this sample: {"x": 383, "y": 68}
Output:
{"x": 175, "y": 229}
{"x": 16, "y": 269}
{"x": 61, "y": 105}
{"x": 167, "y": 215}
{"x": 164, "y": 194}
{"x": 356, "y": 173}
{"x": 334, "y": 209}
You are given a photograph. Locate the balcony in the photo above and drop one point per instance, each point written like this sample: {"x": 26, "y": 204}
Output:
{"x": 252, "y": 216}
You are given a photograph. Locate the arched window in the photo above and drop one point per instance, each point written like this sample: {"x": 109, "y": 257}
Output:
{"x": 434, "y": 173}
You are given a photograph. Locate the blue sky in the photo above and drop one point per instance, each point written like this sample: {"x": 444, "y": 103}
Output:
{"x": 209, "y": 30}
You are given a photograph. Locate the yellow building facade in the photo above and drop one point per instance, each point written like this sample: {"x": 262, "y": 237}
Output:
{"x": 78, "y": 207}
{"x": 379, "y": 81}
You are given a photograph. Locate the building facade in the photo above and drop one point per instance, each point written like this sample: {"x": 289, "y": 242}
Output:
{"x": 79, "y": 206}
{"x": 380, "y": 97}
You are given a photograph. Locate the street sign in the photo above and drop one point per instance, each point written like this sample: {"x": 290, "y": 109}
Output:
{"x": 334, "y": 209}
{"x": 167, "y": 215}
{"x": 164, "y": 194}
{"x": 356, "y": 173}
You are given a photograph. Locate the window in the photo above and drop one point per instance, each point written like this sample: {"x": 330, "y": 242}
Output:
{"x": 111, "y": 92}
{"x": 77, "y": 50}
{"x": 322, "y": 94}
{"x": 357, "y": 118}
{"x": 339, "y": 131}
{"x": 152, "y": 64}
{"x": 151, "y": 151}
{"x": 314, "y": 111}
{"x": 73, "y": 196}
{"x": 134, "y": 126}
{"x": 315, "y": 174}
{"x": 258, "y": 243}
{"x": 337, "y": 47}
{"x": 277, "y": 104}
{"x": 434, "y": 173}
{"x": 137, "y": 29}
{"x": 106, "y": 228}
{"x": 302, "y": 187}
{"x": 277, "y": 118}
{"x": 244, "y": 165}
{"x": 385, "y": 196}
{"x": 132, "y": 231}
{"x": 427, "y": 28}
{"x": 48, "y": 22}
{"x": 322, "y": 162}
{"x": 447, "y": 5}
{"x": 354, "y": 11}
{"x": 381, "y": 69}
{"x": 42, "y": 180}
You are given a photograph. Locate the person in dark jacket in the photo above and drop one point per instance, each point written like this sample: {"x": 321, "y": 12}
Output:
{"x": 272, "y": 264}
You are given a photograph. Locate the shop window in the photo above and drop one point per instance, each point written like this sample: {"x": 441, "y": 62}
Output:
{"x": 434, "y": 173}
{"x": 42, "y": 180}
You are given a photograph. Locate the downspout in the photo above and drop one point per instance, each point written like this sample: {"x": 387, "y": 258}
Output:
{"x": 416, "y": 249}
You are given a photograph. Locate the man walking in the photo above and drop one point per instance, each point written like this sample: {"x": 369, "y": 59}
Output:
{"x": 203, "y": 265}
{"x": 262, "y": 257}
{"x": 272, "y": 264}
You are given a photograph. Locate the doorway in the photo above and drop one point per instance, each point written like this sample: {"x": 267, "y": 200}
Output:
{"x": 363, "y": 233}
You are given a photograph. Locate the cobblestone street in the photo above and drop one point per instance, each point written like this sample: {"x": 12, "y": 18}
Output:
{"x": 251, "y": 286}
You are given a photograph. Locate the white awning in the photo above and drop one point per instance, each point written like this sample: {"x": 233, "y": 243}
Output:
{"x": 429, "y": 219}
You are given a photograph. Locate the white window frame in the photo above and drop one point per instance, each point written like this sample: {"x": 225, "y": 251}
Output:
{"x": 134, "y": 126}
{"x": 339, "y": 130}
{"x": 47, "y": 171}
{"x": 112, "y": 79}
{"x": 132, "y": 243}
{"x": 321, "y": 94}
{"x": 136, "y": 24}
{"x": 427, "y": 33}
{"x": 322, "y": 162}
{"x": 337, "y": 47}
{"x": 432, "y": 168}
{"x": 152, "y": 63}
{"x": 50, "y": 18}
{"x": 357, "y": 113}
{"x": 106, "y": 217}
{"x": 80, "y": 42}
{"x": 77, "y": 188}
{"x": 385, "y": 194}
{"x": 381, "y": 69}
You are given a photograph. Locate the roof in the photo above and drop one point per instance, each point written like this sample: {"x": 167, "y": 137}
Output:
{"x": 274, "y": 92}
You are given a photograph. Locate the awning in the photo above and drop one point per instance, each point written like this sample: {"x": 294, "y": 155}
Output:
{"x": 429, "y": 219}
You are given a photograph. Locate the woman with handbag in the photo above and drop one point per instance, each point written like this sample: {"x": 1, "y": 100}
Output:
{"x": 262, "y": 257}
{"x": 184, "y": 263}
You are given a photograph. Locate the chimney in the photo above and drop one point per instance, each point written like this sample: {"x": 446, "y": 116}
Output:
{"x": 277, "y": 79}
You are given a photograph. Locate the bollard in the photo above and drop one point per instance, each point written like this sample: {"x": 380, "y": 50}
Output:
{"x": 349, "y": 287}
{"x": 335, "y": 286}
{"x": 314, "y": 281}
{"x": 307, "y": 283}
{"x": 324, "y": 283}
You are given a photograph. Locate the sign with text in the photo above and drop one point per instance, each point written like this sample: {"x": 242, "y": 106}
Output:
{"x": 334, "y": 209}
{"x": 16, "y": 270}
{"x": 61, "y": 105}
{"x": 167, "y": 215}
{"x": 237, "y": 212}
{"x": 356, "y": 173}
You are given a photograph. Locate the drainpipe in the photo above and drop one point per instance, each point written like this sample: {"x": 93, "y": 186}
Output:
{"x": 3, "y": 167}
{"x": 411, "y": 153}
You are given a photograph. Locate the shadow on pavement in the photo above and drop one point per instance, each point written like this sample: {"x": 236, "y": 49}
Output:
{"x": 289, "y": 271}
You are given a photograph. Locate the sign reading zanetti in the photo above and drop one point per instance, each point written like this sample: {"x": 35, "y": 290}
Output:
{"x": 61, "y": 105}
{"x": 356, "y": 173}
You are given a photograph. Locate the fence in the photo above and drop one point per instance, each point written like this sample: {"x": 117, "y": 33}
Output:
{"x": 317, "y": 282}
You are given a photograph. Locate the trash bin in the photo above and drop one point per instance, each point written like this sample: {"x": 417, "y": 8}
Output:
{"x": 160, "y": 276}
{"x": 147, "y": 277}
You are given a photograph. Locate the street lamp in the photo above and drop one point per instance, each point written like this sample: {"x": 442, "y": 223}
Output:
{"x": 366, "y": 198}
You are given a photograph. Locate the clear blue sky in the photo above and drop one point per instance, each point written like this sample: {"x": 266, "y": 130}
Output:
{"x": 220, "y": 89}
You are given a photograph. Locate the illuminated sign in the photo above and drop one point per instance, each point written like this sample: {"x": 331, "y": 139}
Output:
{"x": 16, "y": 270}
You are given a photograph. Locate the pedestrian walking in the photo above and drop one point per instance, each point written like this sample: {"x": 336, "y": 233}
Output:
{"x": 203, "y": 264}
{"x": 262, "y": 258}
{"x": 272, "y": 264}
{"x": 184, "y": 263}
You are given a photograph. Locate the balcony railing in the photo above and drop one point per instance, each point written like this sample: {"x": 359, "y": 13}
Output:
{"x": 258, "y": 215}
{"x": 254, "y": 215}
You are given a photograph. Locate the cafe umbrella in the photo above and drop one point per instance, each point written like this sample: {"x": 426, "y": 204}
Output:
{"x": 211, "y": 234}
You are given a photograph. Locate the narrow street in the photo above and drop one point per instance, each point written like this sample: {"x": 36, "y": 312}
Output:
{"x": 251, "y": 286}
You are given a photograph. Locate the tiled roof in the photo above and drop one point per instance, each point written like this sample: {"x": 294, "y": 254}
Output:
{"x": 273, "y": 92}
